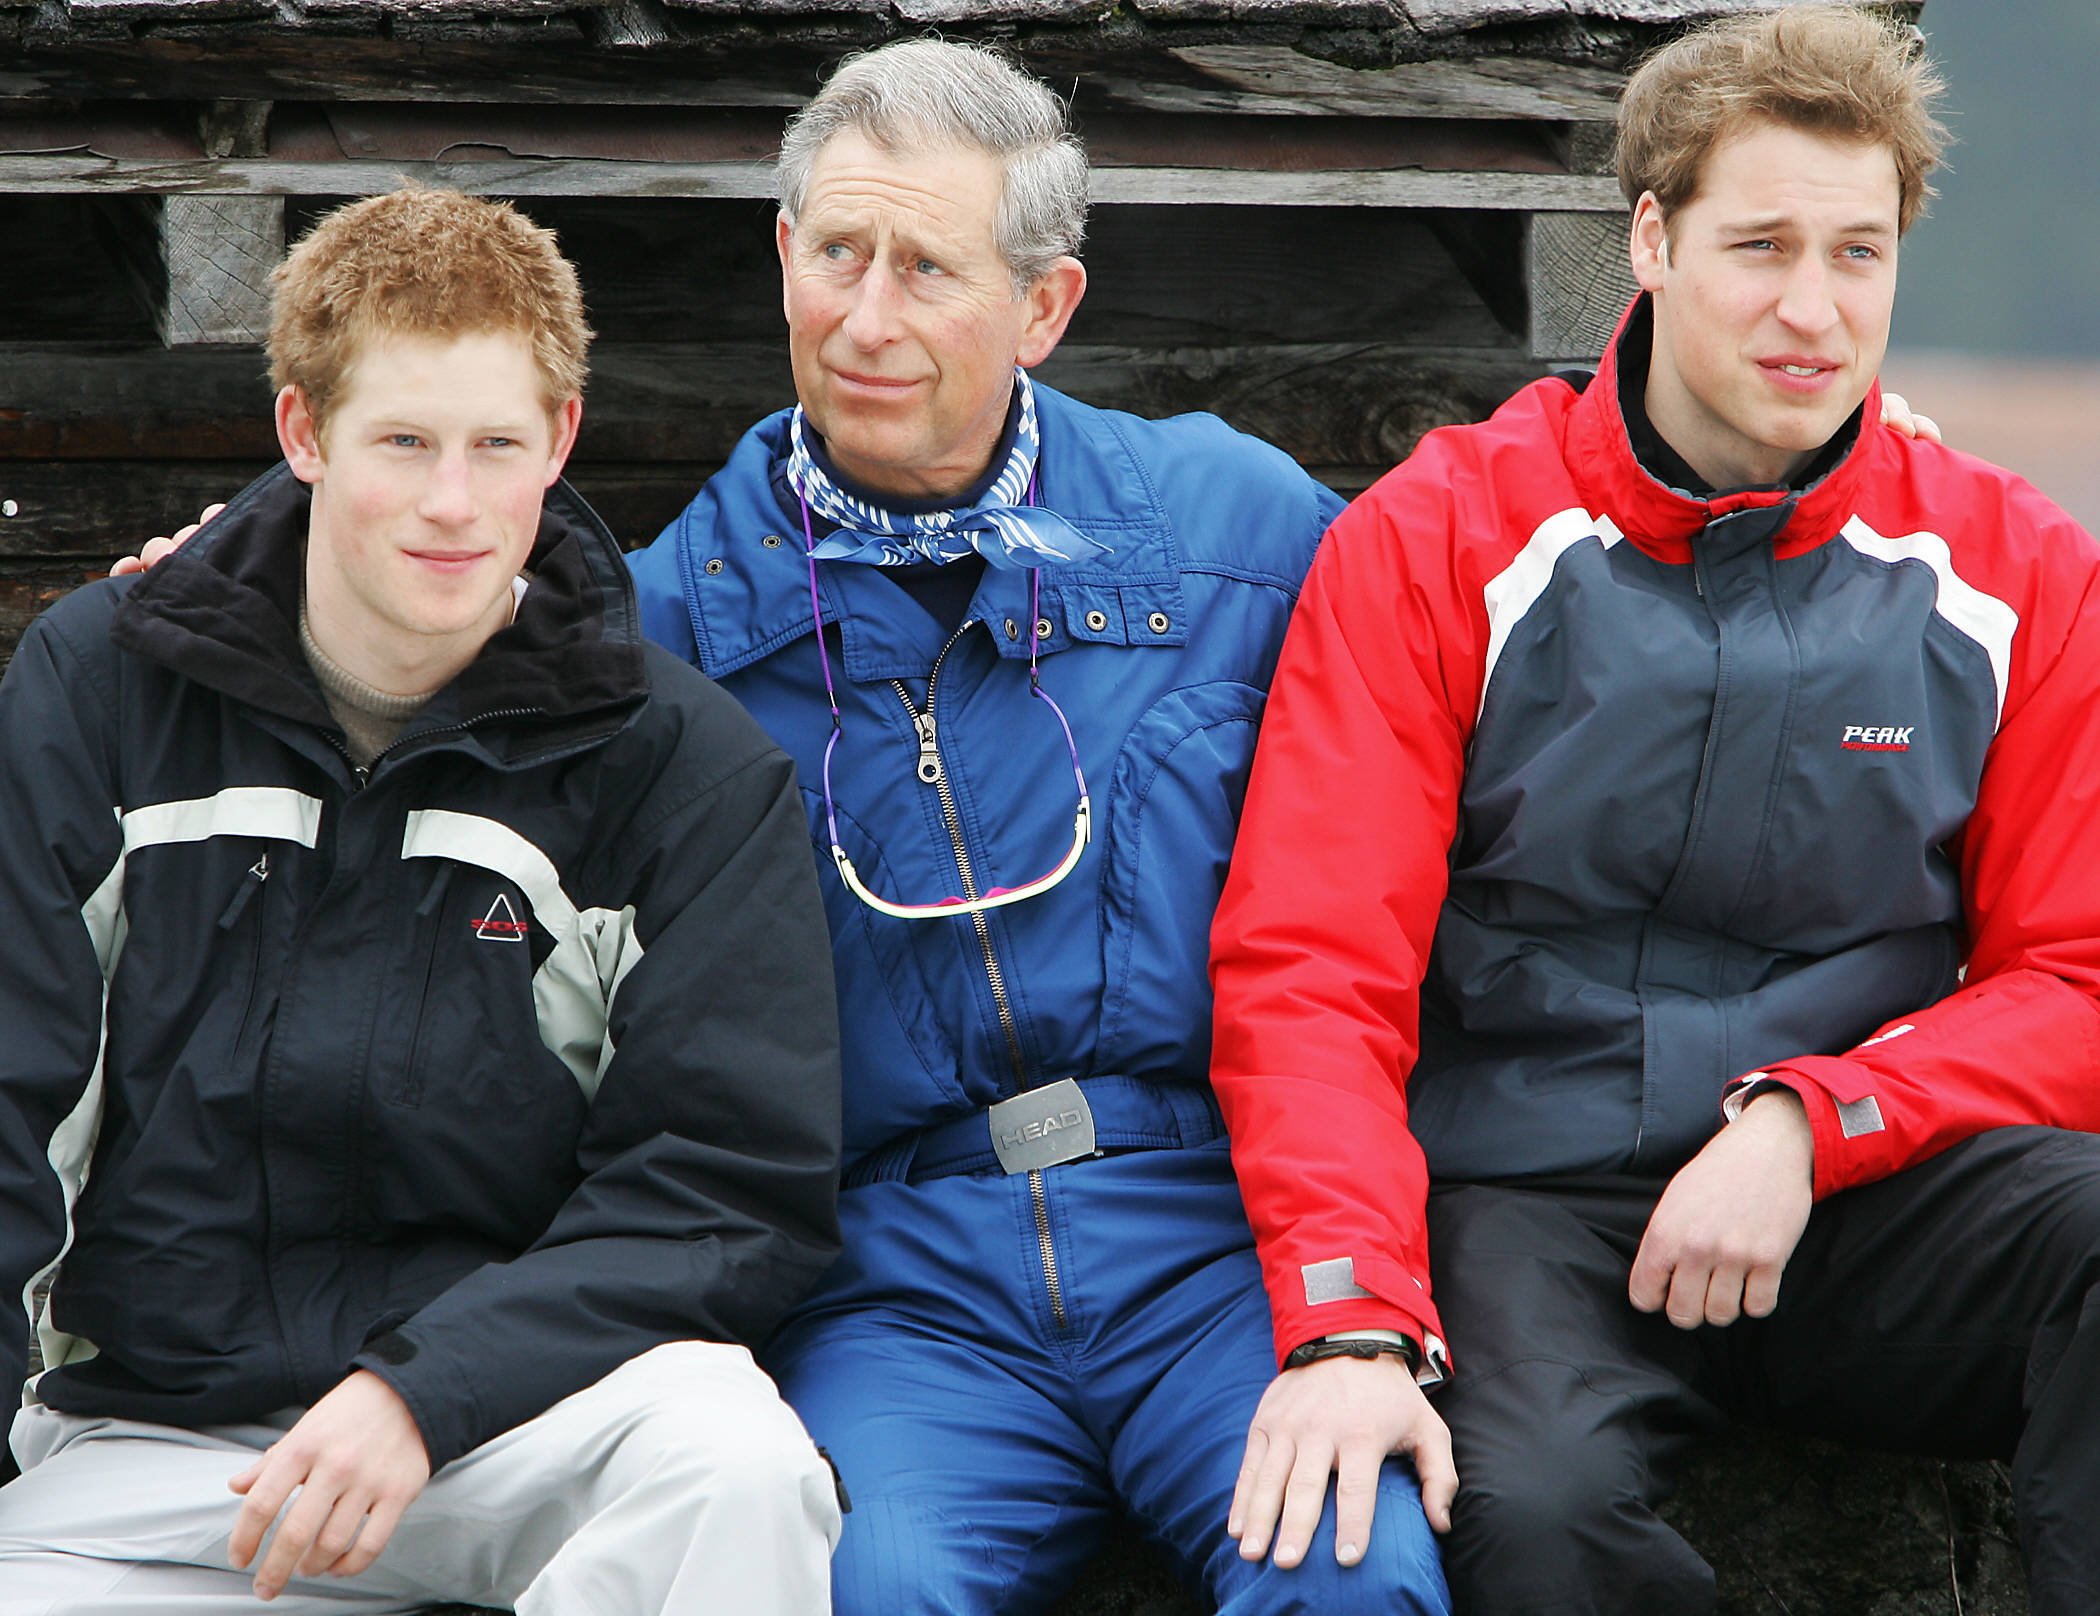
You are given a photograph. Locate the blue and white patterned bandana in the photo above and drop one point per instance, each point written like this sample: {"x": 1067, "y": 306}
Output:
{"x": 999, "y": 527}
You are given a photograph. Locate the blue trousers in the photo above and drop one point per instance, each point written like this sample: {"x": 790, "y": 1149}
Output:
{"x": 986, "y": 1435}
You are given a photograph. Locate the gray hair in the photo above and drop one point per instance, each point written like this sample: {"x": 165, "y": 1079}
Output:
{"x": 927, "y": 94}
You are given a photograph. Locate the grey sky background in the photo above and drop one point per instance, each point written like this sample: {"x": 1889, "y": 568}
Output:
{"x": 2009, "y": 260}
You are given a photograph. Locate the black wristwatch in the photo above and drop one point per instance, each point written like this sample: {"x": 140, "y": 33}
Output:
{"x": 1327, "y": 1347}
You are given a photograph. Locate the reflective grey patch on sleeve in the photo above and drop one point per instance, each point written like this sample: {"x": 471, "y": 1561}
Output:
{"x": 1332, "y": 1281}
{"x": 1860, "y": 1116}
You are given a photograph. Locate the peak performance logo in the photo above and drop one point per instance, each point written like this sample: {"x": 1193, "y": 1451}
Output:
{"x": 501, "y": 924}
{"x": 1868, "y": 738}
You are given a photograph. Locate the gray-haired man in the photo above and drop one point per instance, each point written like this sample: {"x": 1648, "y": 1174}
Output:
{"x": 1050, "y": 1303}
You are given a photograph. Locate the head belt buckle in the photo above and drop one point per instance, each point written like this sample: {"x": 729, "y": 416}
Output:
{"x": 1043, "y": 1127}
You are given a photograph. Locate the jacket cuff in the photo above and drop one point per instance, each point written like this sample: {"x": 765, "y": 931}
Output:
{"x": 1430, "y": 1362}
{"x": 443, "y": 1409}
{"x": 1844, "y": 1116}
{"x": 1344, "y": 1295}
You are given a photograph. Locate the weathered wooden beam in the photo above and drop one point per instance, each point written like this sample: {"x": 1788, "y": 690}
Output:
{"x": 106, "y": 401}
{"x": 1589, "y": 147}
{"x": 628, "y": 25}
{"x": 679, "y": 402}
{"x": 102, "y": 508}
{"x": 200, "y": 265}
{"x": 707, "y": 55}
{"x": 1273, "y": 79}
{"x": 217, "y": 253}
{"x": 234, "y": 128}
{"x": 1396, "y": 188}
{"x": 190, "y": 11}
{"x": 1560, "y": 64}
{"x": 1579, "y": 281}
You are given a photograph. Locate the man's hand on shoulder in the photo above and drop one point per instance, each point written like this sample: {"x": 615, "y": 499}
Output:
{"x": 160, "y": 549}
{"x": 1338, "y": 1417}
{"x": 358, "y": 1461}
{"x": 1725, "y": 1228}
{"x": 1898, "y": 416}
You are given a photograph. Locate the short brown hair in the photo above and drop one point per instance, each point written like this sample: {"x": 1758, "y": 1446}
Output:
{"x": 425, "y": 264}
{"x": 1827, "y": 69}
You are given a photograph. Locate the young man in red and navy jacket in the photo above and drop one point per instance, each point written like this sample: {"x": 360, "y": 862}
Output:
{"x": 1699, "y": 973}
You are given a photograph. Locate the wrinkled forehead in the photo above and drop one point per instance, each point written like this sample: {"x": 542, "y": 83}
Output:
{"x": 944, "y": 193}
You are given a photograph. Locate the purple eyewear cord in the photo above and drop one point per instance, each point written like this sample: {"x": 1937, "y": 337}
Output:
{"x": 838, "y": 723}
{"x": 831, "y": 695}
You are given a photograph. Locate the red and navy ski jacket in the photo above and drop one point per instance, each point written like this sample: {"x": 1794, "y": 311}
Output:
{"x": 487, "y": 1073}
{"x": 1581, "y": 799}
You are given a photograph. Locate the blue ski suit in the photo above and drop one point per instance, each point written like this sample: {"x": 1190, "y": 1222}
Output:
{"x": 998, "y": 1359}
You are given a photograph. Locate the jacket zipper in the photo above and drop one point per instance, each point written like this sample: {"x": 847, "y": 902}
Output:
{"x": 361, "y": 773}
{"x": 409, "y": 1090}
{"x": 934, "y": 773}
{"x": 251, "y": 884}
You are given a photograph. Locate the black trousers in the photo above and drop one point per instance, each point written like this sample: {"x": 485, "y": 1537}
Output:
{"x": 1952, "y": 1310}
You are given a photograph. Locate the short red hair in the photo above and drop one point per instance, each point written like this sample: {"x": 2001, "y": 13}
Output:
{"x": 426, "y": 264}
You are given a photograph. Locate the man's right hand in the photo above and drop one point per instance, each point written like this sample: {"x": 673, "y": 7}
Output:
{"x": 1338, "y": 1417}
{"x": 161, "y": 548}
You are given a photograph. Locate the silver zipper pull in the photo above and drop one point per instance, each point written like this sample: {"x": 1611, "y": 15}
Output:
{"x": 929, "y": 748}
{"x": 260, "y": 869}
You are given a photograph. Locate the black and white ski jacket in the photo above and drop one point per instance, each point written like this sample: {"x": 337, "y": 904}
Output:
{"x": 486, "y": 1073}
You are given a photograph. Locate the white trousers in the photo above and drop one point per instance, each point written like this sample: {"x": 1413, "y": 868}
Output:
{"x": 680, "y": 1483}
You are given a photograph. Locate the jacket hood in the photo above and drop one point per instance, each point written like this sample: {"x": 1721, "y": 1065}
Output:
{"x": 224, "y": 611}
{"x": 1664, "y": 520}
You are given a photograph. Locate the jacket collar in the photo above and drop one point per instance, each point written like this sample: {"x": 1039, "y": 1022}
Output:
{"x": 746, "y": 582}
{"x": 1664, "y": 520}
{"x": 224, "y": 611}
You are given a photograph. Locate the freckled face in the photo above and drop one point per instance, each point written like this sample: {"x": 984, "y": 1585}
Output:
{"x": 427, "y": 482}
{"x": 1773, "y": 290}
{"x": 903, "y": 323}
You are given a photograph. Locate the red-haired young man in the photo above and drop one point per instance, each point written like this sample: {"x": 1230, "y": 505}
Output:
{"x": 420, "y": 1073}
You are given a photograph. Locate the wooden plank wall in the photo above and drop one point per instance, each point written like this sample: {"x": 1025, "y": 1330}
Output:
{"x": 1340, "y": 334}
